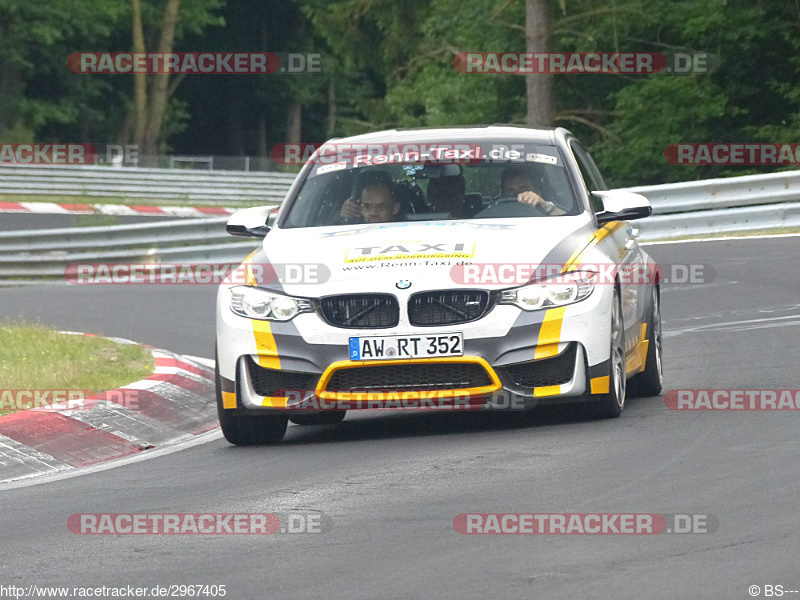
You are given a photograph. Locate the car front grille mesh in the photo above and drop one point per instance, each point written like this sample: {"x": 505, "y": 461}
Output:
{"x": 409, "y": 377}
{"x": 447, "y": 307}
{"x": 361, "y": 311}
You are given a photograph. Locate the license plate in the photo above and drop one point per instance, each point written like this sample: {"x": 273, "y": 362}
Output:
{"x": 406, "y": 346}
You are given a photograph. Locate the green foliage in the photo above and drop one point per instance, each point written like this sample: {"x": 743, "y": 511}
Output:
{"x": 390, "y": 64}
{"x": 647, "y": 122}
{"x": 38, "y": 95}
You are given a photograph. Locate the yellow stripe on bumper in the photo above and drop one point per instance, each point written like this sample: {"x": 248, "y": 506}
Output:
{"x": 228, "y": 400}
{"x": 546, "y": 351}
{"x": 266, "y": 348}
{"x": 274, "y": 401}
{"x": 546, "y": 390}
{"x": 550, "y": 333}
{"x": 599, "y": 385}
{"x": 639, "y": 357}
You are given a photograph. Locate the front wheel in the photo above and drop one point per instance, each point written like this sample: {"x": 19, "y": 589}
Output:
{"x": 247, "y": 430}
{"x": 650, "y": 381}
{"x": 612, "y": 403}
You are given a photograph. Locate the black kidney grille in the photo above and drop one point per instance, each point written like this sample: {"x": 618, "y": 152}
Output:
{"x": 270, "y": 382}
{"x": 409, "y": 377}
{"x": 447, "y": 307}
{"x": 367, "y": 311}
{"x": 557, "y": 370}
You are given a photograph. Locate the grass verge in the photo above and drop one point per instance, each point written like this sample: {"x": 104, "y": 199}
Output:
{"x": 34, "y": 357}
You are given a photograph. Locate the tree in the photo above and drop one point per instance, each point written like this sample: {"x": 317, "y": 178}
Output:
{"x": 39, "y": 97}
{"x": 260, "y": 111}
{"x": 390, "y": 64}
{"x": 538, "y": 85}
{"x": 153, "y": 91}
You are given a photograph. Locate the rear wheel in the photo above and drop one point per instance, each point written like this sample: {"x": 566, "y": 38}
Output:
{"x": 650, "y": 381}
{"x": 612, "y": 403}
{"x": 247, "y": 430}
{"x": 328, "y": 417}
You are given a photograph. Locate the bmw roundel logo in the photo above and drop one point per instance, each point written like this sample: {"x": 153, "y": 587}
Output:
{"x": 403, "y": 284}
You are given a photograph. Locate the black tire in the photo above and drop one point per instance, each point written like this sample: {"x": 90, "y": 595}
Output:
{"x": 650, "y": 381}
{"x": 611, "y": 405}
{"x": 328, "y": 417}
{"x": 247, "y": 430}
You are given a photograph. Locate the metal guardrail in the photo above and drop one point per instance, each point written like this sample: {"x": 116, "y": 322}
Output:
{"x": 757, "y": 202}
{"x": 728, "y": 205}
{"x": 143, "y": 235}
{"x": 47, "y": 253}
{"x": 189, "y": 185}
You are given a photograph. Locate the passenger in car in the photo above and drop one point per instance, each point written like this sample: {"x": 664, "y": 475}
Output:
{"x": 373, "y": 201}
{"x": 446, "y": 195}
{"x": 520, "y": 181}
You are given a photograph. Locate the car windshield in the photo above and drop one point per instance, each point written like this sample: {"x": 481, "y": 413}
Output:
{"x": 380, "y": 183}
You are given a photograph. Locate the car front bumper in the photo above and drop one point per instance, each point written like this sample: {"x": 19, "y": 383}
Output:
{"x": 512, "y": 359}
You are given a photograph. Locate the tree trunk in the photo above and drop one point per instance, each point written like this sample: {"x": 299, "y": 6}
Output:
{"x": 12, "y": 87}
{"x": 235, "y": 127}
{"x": 261, "y": 136}
{"x": 294, "y": 122}
{"x": 160, "y": 90}
{"x": 139, "y": 79}
{"x": 539, "y": 86}
{"x": 262, "y": 127}
{"x": 125, "y": 131}
{"x": 330, "y": 127}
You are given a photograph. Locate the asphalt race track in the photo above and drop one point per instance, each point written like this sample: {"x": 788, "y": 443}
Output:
{"x": 393, "y": 482}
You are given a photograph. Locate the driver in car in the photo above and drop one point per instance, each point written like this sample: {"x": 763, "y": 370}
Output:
{"x": 519, "y": 181}
{"x": 374, "y": 202}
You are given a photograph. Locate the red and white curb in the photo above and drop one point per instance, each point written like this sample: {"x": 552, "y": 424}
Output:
{"x": 175, "y": 403}
{"x": 123, "y": 210}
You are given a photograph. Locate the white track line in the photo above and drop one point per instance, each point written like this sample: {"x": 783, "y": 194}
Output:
{"x": 193, "y": 440}
{"x": 203, "y": 361}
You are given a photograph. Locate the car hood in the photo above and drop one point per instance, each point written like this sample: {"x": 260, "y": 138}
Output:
{"x": 364, "y": 258}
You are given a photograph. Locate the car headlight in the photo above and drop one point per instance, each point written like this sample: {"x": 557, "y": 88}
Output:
{"x": 560, "y": 290}
{"x": 255, "y": 303}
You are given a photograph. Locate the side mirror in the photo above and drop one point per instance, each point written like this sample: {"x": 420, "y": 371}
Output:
{"x": 619, "y": 205}
{"x": 252, "y": 222}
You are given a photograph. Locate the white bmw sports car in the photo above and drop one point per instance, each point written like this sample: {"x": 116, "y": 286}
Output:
{"x": 476, "y": 266}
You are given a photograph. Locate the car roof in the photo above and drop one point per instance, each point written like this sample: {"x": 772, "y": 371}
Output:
{"x": 466, "y": 134}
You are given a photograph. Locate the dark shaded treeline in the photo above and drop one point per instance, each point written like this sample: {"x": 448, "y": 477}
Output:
{"x": 389, "y": 63}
